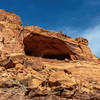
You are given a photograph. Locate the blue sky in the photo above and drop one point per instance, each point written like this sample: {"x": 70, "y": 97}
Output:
{"x": 75, "y": 17}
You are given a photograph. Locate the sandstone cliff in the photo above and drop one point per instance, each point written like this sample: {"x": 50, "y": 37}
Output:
{"x": 44, "y": 43}
{"x": 37, "y": 64}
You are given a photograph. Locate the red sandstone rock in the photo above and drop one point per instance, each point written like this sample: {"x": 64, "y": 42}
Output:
{"x": 66, "y": 73}
{"x": 50, "y": 44}
{"x": 10, "y": 28}
{"x": 44, "y": 43}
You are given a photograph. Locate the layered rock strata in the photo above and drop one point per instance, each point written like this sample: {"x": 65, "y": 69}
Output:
{"x": 37, "y": 64}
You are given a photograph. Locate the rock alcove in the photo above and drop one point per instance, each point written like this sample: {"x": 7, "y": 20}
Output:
{"x": 46, "y": 47}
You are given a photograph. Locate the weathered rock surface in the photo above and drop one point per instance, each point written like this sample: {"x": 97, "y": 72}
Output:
{"x": 14, "y": 38}
{"x": 37, "y": 64}
{"x": 49, "y": 44}
{"x": 10, "y": 28}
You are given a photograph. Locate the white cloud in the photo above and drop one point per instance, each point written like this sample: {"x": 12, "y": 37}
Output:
{"x": 93, "y": 36}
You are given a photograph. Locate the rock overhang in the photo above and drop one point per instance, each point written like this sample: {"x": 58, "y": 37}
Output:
{"x": 46, "y": 47}
{"x": 38, "y": 42}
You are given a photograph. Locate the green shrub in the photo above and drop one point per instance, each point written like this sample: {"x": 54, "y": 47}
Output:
{"x": 98, "y": 58}
{"x": 26, "y": 25}
{"x": 11, "y": 12}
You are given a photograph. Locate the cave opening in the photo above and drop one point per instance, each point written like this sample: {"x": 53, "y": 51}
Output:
{"x": 49, "y": 48}
{"x": 59, "y": 57}
{"x": 28, "y": 52}
{"x": 49, "y": 56}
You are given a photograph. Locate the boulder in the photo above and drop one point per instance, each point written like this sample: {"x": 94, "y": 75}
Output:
{"x": 61, "y": 79}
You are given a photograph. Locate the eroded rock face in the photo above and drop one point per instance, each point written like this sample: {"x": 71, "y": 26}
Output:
{"x": 46, "y": 47}
{"x": 26, "y": 75}
{"x": 57, "y": 80}
{"x": 10, "y": 28}
{"x": 50, "y": 44}
{"x": 35, "y": 41}
{"x": 10, "y": 17}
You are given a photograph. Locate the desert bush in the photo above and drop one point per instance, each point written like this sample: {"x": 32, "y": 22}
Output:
{"x": 98, "y": 58}
{"x": 26, "y": 25}
{"x": 11, "y": 12}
